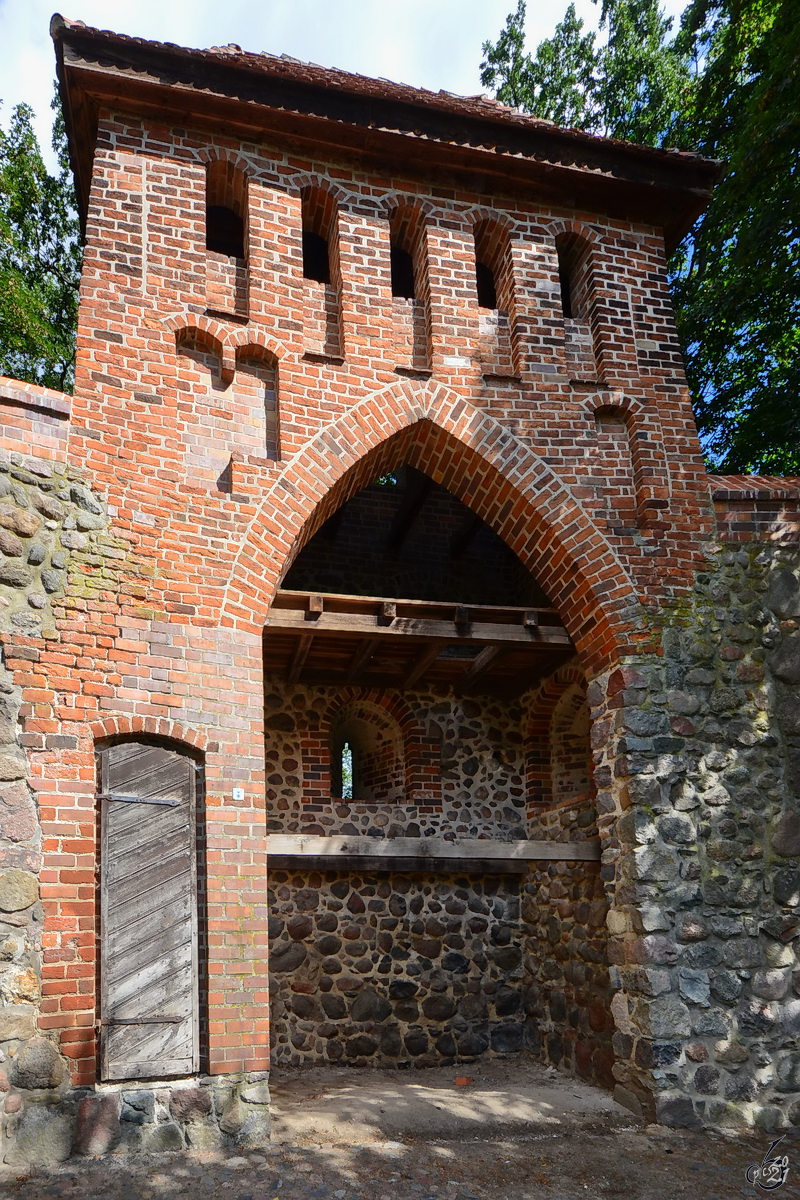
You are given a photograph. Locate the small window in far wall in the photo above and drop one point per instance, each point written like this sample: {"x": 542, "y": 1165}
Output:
{"x": 347, "y": 772}
{"x": 487, "y": 292}
{"x": 224, "y": 231}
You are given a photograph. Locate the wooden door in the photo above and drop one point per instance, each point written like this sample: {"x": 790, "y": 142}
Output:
{"x": 148, "y": 913}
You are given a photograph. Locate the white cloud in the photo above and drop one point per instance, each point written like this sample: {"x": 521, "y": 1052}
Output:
{"x": 427, "y": 43}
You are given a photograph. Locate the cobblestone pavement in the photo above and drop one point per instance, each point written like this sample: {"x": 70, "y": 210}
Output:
{"x": 645, "y": 1163}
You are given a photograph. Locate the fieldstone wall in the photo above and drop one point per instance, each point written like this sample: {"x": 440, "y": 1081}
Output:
{"x": 50, "y": 524}
{"x": 394, "y": 970}
{"x": 422, "y": 969}
{"x": 209, "y": 1113}
{"x": 698, "y": 776}
{"x": 479, "y": 753}
{"x": 567, "y": 986}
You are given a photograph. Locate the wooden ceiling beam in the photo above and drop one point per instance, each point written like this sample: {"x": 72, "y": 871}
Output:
{"x": 466, "y": 629}
{"x": 543, "y": 667}
{"x": 298, "y": 659}
{"x": 361, "y": 659}
{"x": 420, "y": 664}
{"x": 478, "y": 668}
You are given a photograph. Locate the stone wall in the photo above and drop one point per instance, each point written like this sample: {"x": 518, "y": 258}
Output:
{"x": 51, "y": 524}
{"x": 699, "y": 801}
{"x": 44, "y": 1124}
{"x": 567, "y": 986}
{"x": 394, "y": 970}
{"x": 474, "y": 744}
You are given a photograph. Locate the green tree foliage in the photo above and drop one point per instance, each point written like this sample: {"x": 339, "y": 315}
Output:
{"x": 737, "y": 278}
{"x": 40, "y": 257}
{"x": 728, "y": 85}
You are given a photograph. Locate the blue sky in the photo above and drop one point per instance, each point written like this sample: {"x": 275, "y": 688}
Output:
{"x": 427, "y": 43}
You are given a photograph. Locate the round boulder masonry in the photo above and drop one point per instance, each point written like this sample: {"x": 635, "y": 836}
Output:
{"x": 289, "y": 528}
{"x": 391, "y": 969}
{"x": 704, "y": 949}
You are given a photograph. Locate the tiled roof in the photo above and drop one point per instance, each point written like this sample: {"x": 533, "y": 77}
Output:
{"x": 311, "y": 74}
{"x": 753, "y": 487}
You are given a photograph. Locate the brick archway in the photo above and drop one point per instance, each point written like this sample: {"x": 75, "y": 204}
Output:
{"x": 422, "y": 751}
{"x": 539, "y": 727}
{"x": 483, "y": 465}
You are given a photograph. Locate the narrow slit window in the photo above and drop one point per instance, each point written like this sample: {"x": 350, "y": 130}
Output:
{"x": 574, "y": 276}
{"x": 316, "y": 260}
{"x": 347, "y": 772}
{"x": 402, "y": 265}
{"x": 565, "y": 283}
{"x": 487, "y": 291}
{"x": 224, "y": 231}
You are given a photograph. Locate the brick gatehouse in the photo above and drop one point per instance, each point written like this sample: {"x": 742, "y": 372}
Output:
{"x": 385, "y": 681}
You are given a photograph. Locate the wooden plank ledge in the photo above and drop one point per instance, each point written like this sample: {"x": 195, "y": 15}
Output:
{"x": 391, "y": 853}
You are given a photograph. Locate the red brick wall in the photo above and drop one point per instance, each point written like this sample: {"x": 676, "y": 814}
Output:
{"x": 216, "y": 471}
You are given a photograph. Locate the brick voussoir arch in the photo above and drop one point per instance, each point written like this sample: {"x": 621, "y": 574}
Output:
{"x": 124, "y": 726}
{"x": 212, "y": 154}
{"x": 208, "y": 330}
{"x": 487, "y": 468}
{"x": 308, "y": 181}
{"x": 587, "y": 232}
{"x": 245, "y": 342}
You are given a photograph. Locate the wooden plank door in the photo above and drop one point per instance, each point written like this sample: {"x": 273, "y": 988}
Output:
{"x": 148, "y": 913}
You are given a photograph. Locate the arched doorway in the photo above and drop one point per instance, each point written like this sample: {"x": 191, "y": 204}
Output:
{"x": 149, "y": 929}
{"x": 399, "y": 930}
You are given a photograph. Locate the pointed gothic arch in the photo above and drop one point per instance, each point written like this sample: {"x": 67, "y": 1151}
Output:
{"x": 486, "y": 467}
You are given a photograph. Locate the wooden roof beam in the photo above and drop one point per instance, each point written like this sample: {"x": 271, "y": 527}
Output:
{"x": 361, "y": 659}
{"x": 464, "y": 534}
{"x": 421, "y": 663}
{"x": 298, "y": 660}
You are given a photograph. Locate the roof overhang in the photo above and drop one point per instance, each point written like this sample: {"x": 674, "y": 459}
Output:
{"x": 435, "y": 137}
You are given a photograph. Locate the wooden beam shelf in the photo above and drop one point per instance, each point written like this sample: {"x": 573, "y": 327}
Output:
{"x": 473, "y": 855}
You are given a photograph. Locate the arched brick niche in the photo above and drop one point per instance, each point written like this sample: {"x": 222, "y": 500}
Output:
{"x": 411, "y": 287}
{"x": 376, "y": 751}
{"x": 226, "y": 238}
{"x": 557, "y": 747}
{"x": 397, "y": 760}
{"x": 321, "y": 272}
{"x": 576, "y": 250}
{"x": 631, "y": 455}
{"x": 495, "y": 288}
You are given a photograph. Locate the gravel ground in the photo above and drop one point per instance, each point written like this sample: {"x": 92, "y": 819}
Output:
{"x": 651, "y": 1163}
{"x": 506, "y": 1134}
